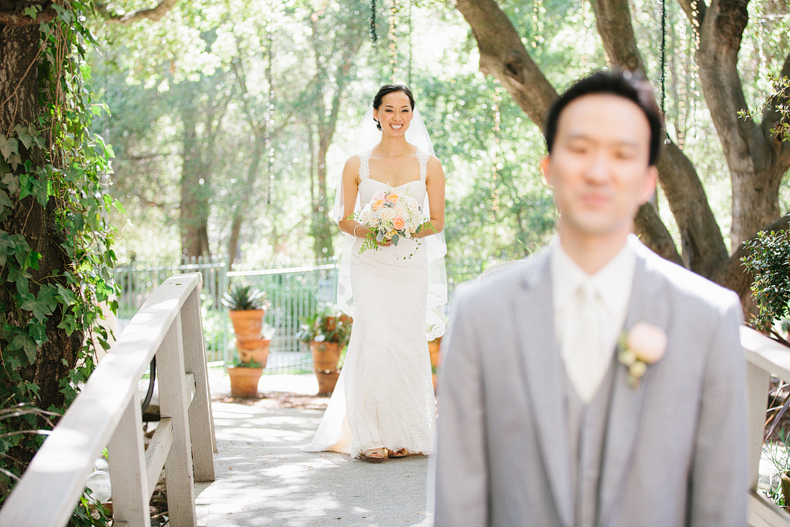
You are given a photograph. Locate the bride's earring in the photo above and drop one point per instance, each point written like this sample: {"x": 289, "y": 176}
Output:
{"x": 378, "y": 124}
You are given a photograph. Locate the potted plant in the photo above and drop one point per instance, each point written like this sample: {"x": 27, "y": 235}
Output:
{"x": 326, "y": 332}
{"x": 244, "y": 377}
{"x": 247, "y": 308}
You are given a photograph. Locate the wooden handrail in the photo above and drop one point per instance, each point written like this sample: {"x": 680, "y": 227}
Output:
{"x": 764, "y": 357}
{"x": 107, "y": 414}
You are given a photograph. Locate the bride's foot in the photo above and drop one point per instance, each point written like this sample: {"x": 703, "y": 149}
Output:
{"x": 374, "y": 455}
{"x": 401, "y": 452}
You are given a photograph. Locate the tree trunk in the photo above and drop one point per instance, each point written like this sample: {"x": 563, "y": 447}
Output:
{"x": 21, "y": 106}
{"x": 194, "y": 193}
{"x": 757, "y": 161}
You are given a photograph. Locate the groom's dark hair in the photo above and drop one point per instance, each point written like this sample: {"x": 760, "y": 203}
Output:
{"x": 629, "y": 85}
{"x": 390, "y": 88}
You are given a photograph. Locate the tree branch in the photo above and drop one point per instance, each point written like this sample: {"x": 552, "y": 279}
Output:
{"x": 502, "y": 54}
{"x": 613, "y": 20}
{"x": 772, "y": 117}
{"x": 649, "y": 227}
{"x": 700, "y": 235}
{"x": 154, "y": 14}
{"x": 19, "y": 19}
{"x": 695, "y": 11}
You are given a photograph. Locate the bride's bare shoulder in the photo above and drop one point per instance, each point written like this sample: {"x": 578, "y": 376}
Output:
{"x": 352, "y": 162}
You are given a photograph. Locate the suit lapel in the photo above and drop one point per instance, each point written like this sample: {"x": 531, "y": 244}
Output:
{"x": 648, "y": 303}
{"x": 533, "y": 315}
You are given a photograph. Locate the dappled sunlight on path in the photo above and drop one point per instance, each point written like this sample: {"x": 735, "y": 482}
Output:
{"x": 263, "y": 479}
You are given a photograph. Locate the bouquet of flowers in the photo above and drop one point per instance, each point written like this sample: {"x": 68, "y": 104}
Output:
{"x": 390, "y": 215}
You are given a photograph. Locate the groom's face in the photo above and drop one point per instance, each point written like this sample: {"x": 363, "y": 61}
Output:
{"x": 598, "y": 166}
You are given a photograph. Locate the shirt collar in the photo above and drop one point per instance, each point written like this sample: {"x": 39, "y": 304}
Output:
{"x": 613, "y": 281}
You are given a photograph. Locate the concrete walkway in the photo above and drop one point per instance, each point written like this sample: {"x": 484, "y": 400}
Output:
{"x": 263, "y": 479}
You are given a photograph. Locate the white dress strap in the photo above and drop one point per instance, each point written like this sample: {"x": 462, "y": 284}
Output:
{"x": 423, "y": 157}
{"x": 364, "y": 164}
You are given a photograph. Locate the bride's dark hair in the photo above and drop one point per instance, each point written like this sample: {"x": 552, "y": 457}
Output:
{"x": 390, "y": 88}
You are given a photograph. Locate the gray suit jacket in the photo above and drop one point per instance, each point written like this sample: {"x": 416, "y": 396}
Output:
{"x": 675, "y": 447}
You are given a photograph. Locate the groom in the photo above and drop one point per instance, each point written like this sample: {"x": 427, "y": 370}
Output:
{"x": 544, "y": 419}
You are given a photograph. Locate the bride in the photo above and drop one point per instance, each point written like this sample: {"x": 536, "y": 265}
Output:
{"x": 383, "y": 404}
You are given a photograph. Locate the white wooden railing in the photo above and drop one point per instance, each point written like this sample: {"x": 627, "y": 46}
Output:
{"x": 107, "y": 414}
{"x": 764, "y": 357}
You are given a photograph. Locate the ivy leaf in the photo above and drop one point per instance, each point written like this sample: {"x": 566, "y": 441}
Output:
{"x": 66, "y": 295}
{"x": 32, "y": 11}
{"x": 5, "y": 201}
{"x": 38, "y": 332}
{"x": 68, "y": 324}
{"x": 11, "y": 181}
{"x": 32, "y": 260}
{"x": 27, "y": 344}
{"x": 38, "y": 307}
{"x": 8, "y": 147}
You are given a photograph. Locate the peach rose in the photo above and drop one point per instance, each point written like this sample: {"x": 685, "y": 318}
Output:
{"x": 398, "y": 223}
{"x": 647, "y": 342}
{"x": 393, "y": 197}
{"x": 377, "y": 204}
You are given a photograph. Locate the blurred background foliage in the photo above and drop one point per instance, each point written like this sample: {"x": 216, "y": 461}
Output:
{"x": 231, "y": 121}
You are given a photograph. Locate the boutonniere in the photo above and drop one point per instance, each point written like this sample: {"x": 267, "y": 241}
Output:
{"x": 643, "y": 344}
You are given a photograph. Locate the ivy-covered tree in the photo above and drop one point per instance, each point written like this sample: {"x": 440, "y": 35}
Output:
{"x": 56, "y": 248}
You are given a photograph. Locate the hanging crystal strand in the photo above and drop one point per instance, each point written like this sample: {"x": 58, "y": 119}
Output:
{"x": 373, "y": 36}
{"x": 693, "y": 93}
{"x": 411, "y": 31}
{"x": 662, "y": 50}
{"x": 393, "y": 36}
{"x": 537, "y": 13}
{"x": 586, "y": 33}
{"x": 269, "y": 117}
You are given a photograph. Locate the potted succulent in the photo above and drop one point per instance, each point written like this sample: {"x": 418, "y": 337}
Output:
{"x": 326, "y": 332}
{"x": 247, "y": 308}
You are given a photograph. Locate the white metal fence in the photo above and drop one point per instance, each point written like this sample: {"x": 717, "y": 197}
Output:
{"x": 293, "y": 292}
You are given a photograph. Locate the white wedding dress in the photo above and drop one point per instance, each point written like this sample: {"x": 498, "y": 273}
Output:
{"x": 384, "y": 396}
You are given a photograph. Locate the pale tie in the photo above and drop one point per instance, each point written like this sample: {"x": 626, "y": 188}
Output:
{"x": 589, "y": 359}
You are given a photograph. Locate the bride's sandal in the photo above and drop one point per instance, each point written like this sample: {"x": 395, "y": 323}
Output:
{"x": 374, "y": 455}
{"x": 401, "y": 452}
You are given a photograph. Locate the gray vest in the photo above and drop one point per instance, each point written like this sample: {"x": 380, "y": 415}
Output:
{"x": 587, "y": 431}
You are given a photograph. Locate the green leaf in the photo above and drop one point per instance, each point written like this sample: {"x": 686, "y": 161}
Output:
{"x": 8, "y": 147}
{"x": 38, "y": 307}
{"x": 32, "y": 11}
{"x": 5, "y": 201}
{"x": 27, "y": 344}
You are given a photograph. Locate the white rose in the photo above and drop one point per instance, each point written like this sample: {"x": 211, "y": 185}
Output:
{"x": 387, "y": 214}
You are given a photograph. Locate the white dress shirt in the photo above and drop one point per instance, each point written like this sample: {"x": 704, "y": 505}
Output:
{"x": 613, "y": 286}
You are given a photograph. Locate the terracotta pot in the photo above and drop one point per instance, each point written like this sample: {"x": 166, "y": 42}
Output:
{"x": 244, "y": 381}
{"x": 433, "y": 349}
{"x": 326, "y": 381}
{"x": 254, "y": 350}
{"x": 247, "y": 324}
{"x": 325, "y": 355}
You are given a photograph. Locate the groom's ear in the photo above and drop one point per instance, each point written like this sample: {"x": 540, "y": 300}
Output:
{"x": 544, "y": 169}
